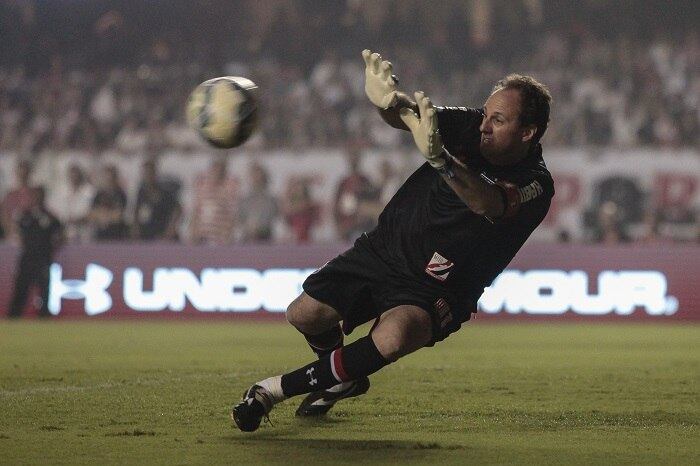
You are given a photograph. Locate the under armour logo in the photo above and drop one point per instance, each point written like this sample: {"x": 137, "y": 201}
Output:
{"x": 93, "y": 289}
{"x": 310, "y": 373}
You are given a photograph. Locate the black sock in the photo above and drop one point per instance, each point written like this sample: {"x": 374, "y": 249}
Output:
{"x": 348, "y": 363}
{"x": 326, "y": 342}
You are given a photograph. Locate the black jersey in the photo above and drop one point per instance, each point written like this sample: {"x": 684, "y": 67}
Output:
{"x": 427, "y": 233}
{"x": 38, "y": 230}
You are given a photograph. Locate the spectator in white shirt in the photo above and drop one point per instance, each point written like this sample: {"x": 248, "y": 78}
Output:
{"x": 71, "y": 204}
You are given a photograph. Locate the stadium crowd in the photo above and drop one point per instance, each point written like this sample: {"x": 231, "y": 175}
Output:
{"x": 99, "y": 208}
{"x": 107, "y": 85}
{"x": 117, "y": 80}
{"x": 221, "y": 213}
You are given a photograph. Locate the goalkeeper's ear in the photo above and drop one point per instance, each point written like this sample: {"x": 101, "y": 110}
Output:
{"x": 409, "y": 118}
{"x": 528, "y": 133}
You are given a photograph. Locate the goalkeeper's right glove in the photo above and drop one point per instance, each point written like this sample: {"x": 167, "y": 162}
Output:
{"x": 425, "y": 131}
{"x": 380, "y": 84}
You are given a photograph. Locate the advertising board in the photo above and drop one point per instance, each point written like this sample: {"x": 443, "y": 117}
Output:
{"x": 553, "y": 281}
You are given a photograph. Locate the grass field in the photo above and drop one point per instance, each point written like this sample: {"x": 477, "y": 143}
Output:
{"x": 154, "y": 393}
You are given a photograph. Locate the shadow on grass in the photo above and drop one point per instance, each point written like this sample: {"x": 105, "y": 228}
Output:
{"x": 283, "y": 447}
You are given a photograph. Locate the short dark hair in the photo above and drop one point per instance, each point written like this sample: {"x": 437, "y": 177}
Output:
{"x": 535, "y": 101}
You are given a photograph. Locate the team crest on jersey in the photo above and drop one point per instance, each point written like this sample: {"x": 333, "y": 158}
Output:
{"x": 439, "y": 267}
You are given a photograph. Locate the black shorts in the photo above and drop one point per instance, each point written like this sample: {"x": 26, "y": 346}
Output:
{"x": 361, "y": 286}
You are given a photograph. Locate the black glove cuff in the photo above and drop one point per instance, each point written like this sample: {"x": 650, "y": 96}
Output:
{"x": 447, "y": 169}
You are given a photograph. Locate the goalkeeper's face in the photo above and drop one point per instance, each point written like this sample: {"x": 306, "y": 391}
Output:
{"x": 504, "y": 140}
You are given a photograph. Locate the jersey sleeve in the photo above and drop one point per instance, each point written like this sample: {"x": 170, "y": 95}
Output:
{"x": 526, "y": 199}
{"x": 459, "y": 128}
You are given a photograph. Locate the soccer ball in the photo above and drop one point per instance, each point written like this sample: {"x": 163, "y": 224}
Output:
{"x": 224, "y": 110}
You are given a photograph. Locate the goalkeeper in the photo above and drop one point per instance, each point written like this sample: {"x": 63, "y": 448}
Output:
{"x": 452, "y": 227}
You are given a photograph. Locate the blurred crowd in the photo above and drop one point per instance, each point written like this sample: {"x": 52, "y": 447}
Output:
{"x": 119, "y": 77}
{"x": 113, "y": 77}
{"x": 97, "y": 207}
{"x": 221, "y": 213}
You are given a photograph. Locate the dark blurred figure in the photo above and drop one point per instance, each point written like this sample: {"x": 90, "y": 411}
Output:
{"x": 617, "y": 203}
{"x": 300, "y": 211}
{"x": 107, "y": 212}
{"x": 71, "y": 204}
{"x": 355, "y": 201}
{"x": 41, "y": 235}
{"x": 158, "y": 210}
{"x": 258, "y": 210}
{"x": 18, "y": 200}
{"x": 610, "y": 228}
{"x": 563, "y": 236}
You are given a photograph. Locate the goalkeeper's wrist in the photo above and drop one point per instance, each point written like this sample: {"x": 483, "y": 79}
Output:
{"x": 393, "y": 101}
{"x": 443, "y": 163}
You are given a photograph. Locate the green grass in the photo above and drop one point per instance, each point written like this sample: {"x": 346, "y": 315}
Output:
{"x": 153, "y": 393}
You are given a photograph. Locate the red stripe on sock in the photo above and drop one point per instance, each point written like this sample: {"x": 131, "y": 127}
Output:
{"x": 338, "y": 364}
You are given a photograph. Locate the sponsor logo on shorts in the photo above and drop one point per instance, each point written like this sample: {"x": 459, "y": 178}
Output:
{"x": 439, "y": 267}
{"x": 442, "y": 308}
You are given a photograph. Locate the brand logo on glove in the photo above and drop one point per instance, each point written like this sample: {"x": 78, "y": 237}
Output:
{"x": 439, "y": 267}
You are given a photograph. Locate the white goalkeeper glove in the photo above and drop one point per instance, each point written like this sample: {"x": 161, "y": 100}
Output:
{"x": 380, "y": 84}
{"x": 425, "y": 131}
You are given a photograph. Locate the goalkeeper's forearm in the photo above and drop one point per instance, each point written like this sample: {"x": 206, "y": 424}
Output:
{"x": 480, "y": 196}
{"x": 391, "y": 114}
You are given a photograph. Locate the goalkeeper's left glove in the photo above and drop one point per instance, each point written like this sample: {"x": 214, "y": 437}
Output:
{"x": 380, "y": 84}
{"x": 425, "y": 131}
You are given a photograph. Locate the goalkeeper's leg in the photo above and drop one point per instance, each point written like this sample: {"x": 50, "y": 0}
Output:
{"x": 318, "y": 322}
{"x": 400, "y": 331}
{"x": 313, "y": 319}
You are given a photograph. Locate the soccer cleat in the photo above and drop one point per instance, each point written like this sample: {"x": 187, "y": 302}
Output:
{"x": 255, "y": 405}
{"x": 320, "y": 402}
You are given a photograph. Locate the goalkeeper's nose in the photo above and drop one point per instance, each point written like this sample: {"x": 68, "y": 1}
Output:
{"x": 485, "y": 127}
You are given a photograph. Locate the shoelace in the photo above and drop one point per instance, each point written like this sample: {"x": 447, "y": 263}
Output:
{"x": 266, "y": 402}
